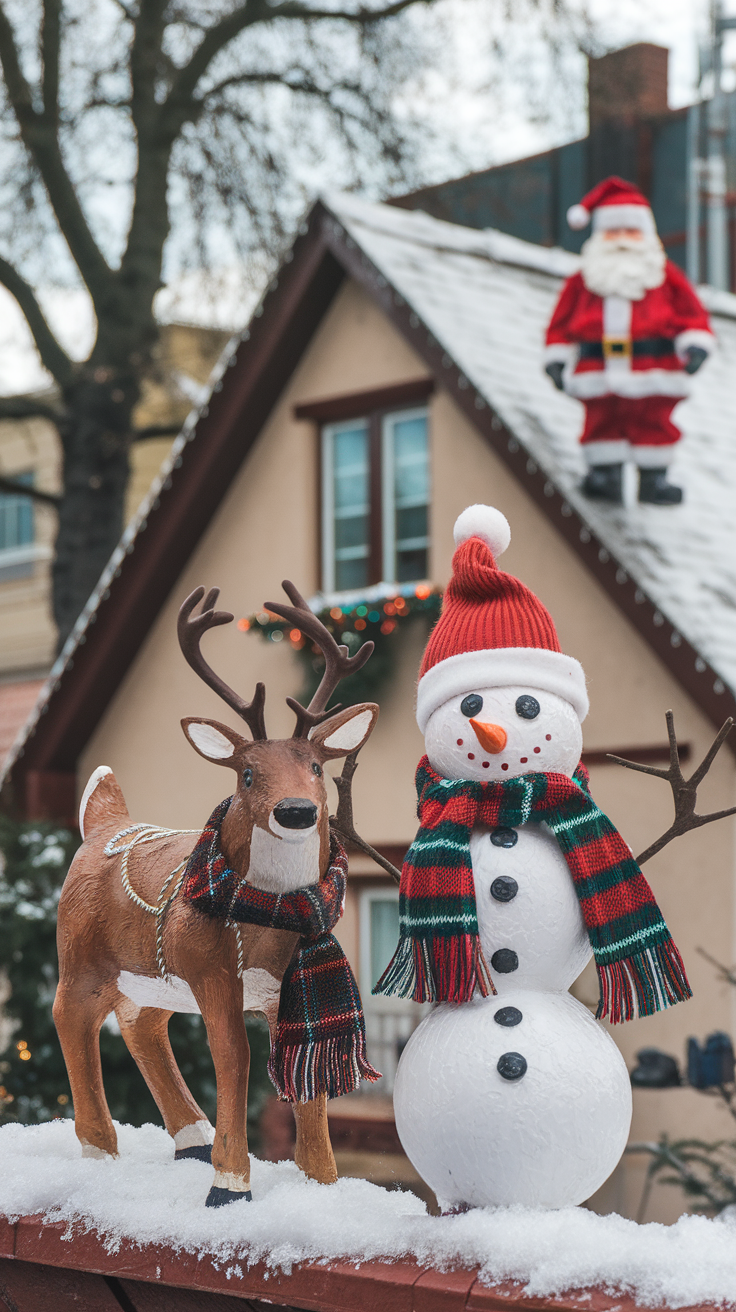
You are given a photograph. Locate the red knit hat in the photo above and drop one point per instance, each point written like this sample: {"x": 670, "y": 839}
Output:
{"x": 613, "y": 203}
{"x": 493, "y": 631}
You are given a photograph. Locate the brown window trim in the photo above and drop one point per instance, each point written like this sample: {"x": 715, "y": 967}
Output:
{"x": 371, "y": 406}
{"x": 353, "y": 405}
{"x": 658, "y": 754}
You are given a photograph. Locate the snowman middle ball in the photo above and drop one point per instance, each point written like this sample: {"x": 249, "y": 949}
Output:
{"x": 517, "y": 1099}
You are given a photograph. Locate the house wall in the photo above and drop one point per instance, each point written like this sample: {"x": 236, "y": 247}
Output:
{"x": 267, "y": 529}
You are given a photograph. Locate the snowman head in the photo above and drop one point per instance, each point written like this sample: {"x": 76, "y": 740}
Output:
{"x": 496, "y": 696}
{"x": 496, "y": 733}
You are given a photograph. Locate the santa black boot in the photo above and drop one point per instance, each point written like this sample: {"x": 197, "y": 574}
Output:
{"x": 654, "y": 488}
{"x": 603, "y": 483}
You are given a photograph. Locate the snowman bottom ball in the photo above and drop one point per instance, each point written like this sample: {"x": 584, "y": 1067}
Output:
{"x": 522, "y": 1098}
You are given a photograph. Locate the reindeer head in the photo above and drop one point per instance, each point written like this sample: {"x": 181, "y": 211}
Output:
{"x": 276, "y": 831}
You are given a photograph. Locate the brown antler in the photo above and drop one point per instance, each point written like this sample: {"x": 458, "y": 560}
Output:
{"x": 190, "y": 629}
{"x": 338, "y": 664}
{"x": 343, "y": 822}
{"x": 684, "y": 791}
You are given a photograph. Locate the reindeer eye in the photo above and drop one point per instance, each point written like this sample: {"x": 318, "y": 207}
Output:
{"x": 317, "y": 769}
{"x": 248, "y": 778}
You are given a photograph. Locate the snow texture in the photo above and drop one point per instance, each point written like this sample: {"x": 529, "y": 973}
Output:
{"x": 487, "y": 298}
{"x": 145, "y": 1196}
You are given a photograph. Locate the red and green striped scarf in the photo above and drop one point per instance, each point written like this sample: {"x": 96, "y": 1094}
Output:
{"x": 439, "y": 957}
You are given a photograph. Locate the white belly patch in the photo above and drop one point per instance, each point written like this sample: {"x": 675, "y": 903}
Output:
{"x": 261, "y": 991}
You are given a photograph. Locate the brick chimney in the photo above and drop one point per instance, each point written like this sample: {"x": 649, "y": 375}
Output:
{"x": 627, "y": 85}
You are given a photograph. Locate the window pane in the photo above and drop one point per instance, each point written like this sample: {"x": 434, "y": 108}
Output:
{"x": 16, "y": 516}
{"x": 351, "y": 505}
{"x": 411, "y": 498}
{"x": 384, "y": 935}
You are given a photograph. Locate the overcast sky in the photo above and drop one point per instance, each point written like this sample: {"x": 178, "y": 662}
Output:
{"x": 489, "y": 113}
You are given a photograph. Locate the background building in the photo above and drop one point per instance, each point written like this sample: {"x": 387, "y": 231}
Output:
{"x": 632, "y": 133}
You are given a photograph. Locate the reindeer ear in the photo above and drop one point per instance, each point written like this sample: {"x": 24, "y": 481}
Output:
{"x": 214, "y": 741}
{"x": 345, "y": 731}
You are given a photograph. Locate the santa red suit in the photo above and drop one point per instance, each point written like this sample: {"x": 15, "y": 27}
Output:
{"x": 626, "y": 332}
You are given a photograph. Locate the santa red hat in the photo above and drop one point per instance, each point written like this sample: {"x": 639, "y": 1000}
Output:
{"x": 613, "y": 203}
{"x": 493, "y": 631}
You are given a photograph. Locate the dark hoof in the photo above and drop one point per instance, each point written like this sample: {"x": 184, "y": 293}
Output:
{"x": 201, "y": 1152}
{"x": 221, "y": 1197}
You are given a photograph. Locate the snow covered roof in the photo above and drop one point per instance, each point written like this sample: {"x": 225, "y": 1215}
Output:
{"x": 474, "y": 305}
{"x": 487, "y": 298}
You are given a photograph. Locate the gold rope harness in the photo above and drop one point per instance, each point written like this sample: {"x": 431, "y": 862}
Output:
{"x": 145, "y": 833}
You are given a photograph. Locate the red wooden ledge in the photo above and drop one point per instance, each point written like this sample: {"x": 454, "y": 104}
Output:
{"x": 40, "y": 1271}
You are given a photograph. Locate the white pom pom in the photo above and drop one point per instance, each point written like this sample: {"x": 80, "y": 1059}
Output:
{"x": 578, "y": 217}
{"x": 483, "y": 522}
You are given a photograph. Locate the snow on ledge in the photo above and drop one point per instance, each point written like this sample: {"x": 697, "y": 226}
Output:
{"x": 145, "y": 1196}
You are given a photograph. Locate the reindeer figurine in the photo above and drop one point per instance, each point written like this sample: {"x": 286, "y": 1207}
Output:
{"x": 133, "y": 940}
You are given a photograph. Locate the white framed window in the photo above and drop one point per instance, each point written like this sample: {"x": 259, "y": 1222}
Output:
{"x": 375, "y": 500}
{"x": 405, "y": 464}
{"x": 345, "y": 505}
{"x": 388, "y": 1021}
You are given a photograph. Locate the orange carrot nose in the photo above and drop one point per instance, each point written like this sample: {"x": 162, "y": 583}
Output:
{"x": 491, "y": 737}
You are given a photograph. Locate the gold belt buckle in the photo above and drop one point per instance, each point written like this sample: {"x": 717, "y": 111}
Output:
{"x": 617, "y": 348}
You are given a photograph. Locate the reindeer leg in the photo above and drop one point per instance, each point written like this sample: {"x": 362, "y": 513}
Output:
{"x": 314, "y": 1155}
{"x": 222, "y": 1012}
{"x": 146, "y": 1034}
{"x": 79, "y": 1011}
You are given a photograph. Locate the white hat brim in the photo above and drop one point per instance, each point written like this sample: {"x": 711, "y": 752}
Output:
{"x": 500, "y": 667}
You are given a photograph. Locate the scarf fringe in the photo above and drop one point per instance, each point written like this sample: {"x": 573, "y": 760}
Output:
{"x": 642, "y": 984}
{"x": 437, "y": 969}
{"x": 300, "y": 1072}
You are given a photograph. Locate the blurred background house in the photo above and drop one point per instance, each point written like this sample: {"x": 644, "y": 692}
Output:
{"x": 29, "y": 452}
{"x": 668, "y": 153}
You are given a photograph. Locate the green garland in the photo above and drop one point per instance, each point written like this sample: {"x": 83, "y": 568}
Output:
{"x": 380, "y": 620}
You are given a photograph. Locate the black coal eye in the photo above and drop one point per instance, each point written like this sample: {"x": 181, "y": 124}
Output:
{"x": 317, "y": 769}
{"x": 471, "y": 705}
{"x": 527, "y": 707}
{"x": 248, "y": 778}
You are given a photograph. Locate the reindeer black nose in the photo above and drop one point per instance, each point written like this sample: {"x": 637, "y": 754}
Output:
{"x": 295, "y": 813}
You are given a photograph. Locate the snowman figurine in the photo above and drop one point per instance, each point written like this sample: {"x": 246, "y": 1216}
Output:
{"x": 509, "y": 1092}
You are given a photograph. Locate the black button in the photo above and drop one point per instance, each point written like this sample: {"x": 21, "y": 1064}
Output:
{"x": 504, "y": 837}
{"x": 504, "y": 889}
{"x": 508, "y": 1016}
{"x": 511, "y": 1066}
{"x": 504, "y": 961}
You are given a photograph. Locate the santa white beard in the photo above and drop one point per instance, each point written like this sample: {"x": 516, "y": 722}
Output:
{"x": 624, "y": 267}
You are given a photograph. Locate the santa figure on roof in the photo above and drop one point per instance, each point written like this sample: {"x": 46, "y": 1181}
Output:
{"x": 627, "y": 331}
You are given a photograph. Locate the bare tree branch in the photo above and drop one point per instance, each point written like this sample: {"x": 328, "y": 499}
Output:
{"x": 27, "y": 407}
{"x": 361, "y": 17}
{"x": 40, "y": 137}
{"x": 53, "y": 356}
{"x": 9, "y": 485}
{"x": 344, "y": 824}
{"x": 50, "y": 44}
{"x": 684, "y": 791}
{"x": 156, "y": 430}
{"x": 256, "y": 11}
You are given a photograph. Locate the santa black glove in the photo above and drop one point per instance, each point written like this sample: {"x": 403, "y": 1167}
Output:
{"x": 556, "y": 368}
{"x": 694, "y": 357}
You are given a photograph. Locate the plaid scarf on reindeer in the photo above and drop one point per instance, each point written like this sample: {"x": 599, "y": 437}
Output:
{"x": 439, "y": 957}
{"x": 319, "y": 1045}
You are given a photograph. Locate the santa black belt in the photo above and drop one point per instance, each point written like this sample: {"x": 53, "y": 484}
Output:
{"x": 623, "y": 347}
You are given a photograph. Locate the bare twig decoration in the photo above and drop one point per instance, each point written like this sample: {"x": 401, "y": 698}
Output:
{"x": 343, "y": 823}
{"x": 684, "y": 791}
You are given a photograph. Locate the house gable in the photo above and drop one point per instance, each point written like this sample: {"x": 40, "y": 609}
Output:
{"x": 211, "y": 451}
